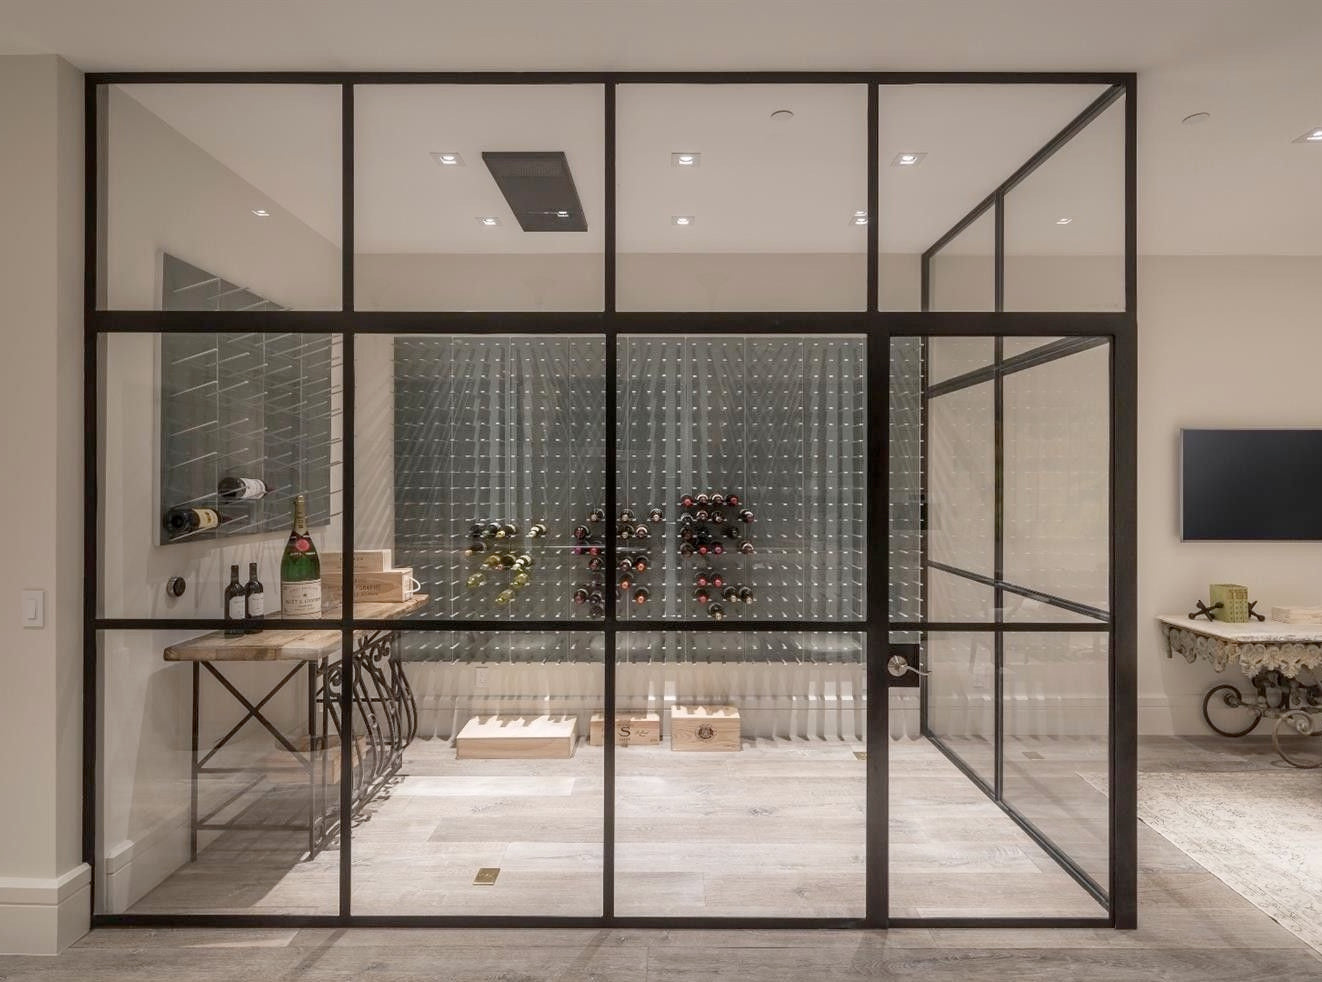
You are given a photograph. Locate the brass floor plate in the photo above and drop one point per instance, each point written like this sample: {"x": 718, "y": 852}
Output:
{"x": 860, "y": 755}
{"x": 486, "y": 876}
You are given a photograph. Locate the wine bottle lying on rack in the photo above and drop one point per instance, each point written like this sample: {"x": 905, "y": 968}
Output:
{"x": 242, "y": 488}
{"x": 185, "y": 521}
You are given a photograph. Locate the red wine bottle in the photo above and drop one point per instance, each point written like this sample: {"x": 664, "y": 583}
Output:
{"x": 687, "y": 501}
{"x": 701, "y": 595}
{"x": 732, "y": 500}
{"x": 640, "y": 562}
{"x": 234, "y": 605}
{"x": 656, "y": 516}
{"x": 640, "y": 595}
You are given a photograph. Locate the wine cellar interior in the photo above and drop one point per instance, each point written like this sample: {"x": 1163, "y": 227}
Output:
{"x": 455, "y": 731}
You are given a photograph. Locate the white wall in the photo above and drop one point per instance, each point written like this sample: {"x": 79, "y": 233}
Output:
{"x": 1225, "y": 341}
{"x": 44, "y": 886}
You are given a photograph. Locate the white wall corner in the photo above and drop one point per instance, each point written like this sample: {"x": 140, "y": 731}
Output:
{"x": 44, "y": 916}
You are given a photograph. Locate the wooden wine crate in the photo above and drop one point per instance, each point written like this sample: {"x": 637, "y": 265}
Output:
{"x": 1297, "y": 615}
{"x": 630, "y": 727}
{"x": 704, "y": 728}
{"x": 517, "y": 737}
{"x": 388, "y": 586}
{"x": 364, "y": 561}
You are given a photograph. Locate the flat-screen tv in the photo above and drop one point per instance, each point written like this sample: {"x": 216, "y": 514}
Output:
{"x": 1250, "y": 484}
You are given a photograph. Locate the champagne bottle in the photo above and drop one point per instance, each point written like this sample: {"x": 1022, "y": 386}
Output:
{"x": 242, "y": 488}
{"x": 300, "y": 569}
{"x": 254, "y": 601}
{"x": 234, "y": 608}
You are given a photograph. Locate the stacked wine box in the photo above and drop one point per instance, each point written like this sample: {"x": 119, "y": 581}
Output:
{"x": 375, "y": 580}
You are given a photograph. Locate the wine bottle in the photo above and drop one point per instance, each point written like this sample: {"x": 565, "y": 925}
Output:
{"x": 703, "y": 548}
{"x": 492, "y": 561}
{"x": 475, "y": 580}
{"x": 716, "y": 612}
{"x": 730, "y": 595}
{"x": 520, "y": 580}
{"x": 718, "y": 517}
{"x": 717, "y": 549}
{"x": 597, "y": 612}
{"x": 626, "y": 517}
{"x": 254, "y": 602}
{"x": 300, "y": 569}
{"x": 596, "y": 596}
{"x": 687, "y": 501}
{"x": 746, "y": 516}
{"x": 507, "y": 560}
{"x": 581, "y": 533}
{"x": 490, "y": 529}
{"x": 234, "y": 608}
{"x": 477, "y": 530}
{"x": 640, "y": 595}
{"x": 474, "y": 548}
{"x": 625, "y": 564}
{"x": 640, "y": 563}
{"x": 732, "y": 500}
{"x": 596, "y": 564}
{"x": 242, "y": 488}
{"x": 687, "y": 533}
{"x": 701, "y": 595}
{"x": 717, "y": 580}
{"x": 626, "y": 532}
{"x": 745, "y": 595}
{"x": 656, "y": 516}
{"x": 523, "y": 561}
{"x": 596, "y": 516}
{"x": 703, "y": 500}
{"x": 686, "y": 548}
{"x": 581, "y": 594}
{"x": 641, "y": 532}
{"x": 717, "y": 499}
{"x": 702, "y": 515}
{"x": 746, "y": 547}
{"x": 181, "y": 521}
{"x": 626, "y": 581}
{"x": 504, "y": 597}
{"x": 509, "y": 530}
{"x": 537, "y": 531}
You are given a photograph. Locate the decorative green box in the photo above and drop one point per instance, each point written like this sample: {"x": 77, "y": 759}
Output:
{"x": 1234, "y": 600}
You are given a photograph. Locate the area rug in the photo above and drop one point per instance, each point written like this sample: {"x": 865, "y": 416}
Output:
{"x": 1259, "y": 832}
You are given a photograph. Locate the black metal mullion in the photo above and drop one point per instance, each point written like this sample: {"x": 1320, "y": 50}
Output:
{"x": 609, "y": 679}
{"x": 348, "y": 669}
{"x": 92, "y": 203}
{"x": 998, "y": 541}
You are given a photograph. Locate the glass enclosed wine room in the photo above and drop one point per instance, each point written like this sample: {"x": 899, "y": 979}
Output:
{"x": 612, "y": 500}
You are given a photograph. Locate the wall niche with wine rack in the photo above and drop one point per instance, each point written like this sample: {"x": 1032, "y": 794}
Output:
{"x": 253, "y": 407}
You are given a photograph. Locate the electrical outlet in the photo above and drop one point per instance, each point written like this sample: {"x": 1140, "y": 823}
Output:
{"x": 481, "y": 678}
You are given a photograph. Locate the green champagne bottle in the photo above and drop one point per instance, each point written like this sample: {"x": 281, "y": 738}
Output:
{"x": 300, "y": 569}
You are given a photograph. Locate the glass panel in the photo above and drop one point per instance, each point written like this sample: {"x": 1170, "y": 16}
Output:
{"x": 1057, "y": 477}
{"x": 749, "y": 800}
{"x": 253, "y": 832}
{"x": 949, "y": 358}
{"x": 478, "y": 458}
{"x": 476, "y": 755}
{"x": 906, "y": 478}
{"x": 1056, "y": 741}
{"x": 780, "y": 424}
{"x": 942, "y": 150}
{"x": 961, "y": 478}
{"x": 954, "y": 598}
{"x": 240, "y": 183}
{"x": 207, "y": 439}
{"x": 1018, "y": 346}
{"x": 479, "y": 197}
{"x": 742, "y": 197}
{"x": 1065, "y": 225}
{"x": 961, "y": 697}
{"x": 962, "y": 276}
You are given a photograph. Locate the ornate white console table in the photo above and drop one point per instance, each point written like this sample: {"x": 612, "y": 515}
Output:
{"x": 1282, "y": 662}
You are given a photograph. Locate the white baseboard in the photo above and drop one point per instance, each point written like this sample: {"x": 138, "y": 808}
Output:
{"x": 133, "y": 868}
{"x": 44, "y": 916}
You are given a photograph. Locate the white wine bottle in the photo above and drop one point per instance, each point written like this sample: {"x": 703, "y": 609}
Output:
{"x": 300, "y": 569}
{"x": 242, "y": 488}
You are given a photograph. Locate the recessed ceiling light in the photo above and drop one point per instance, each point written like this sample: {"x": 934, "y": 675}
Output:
{"x": 1312, "y": 136}
{"x": 1193, "y": 119}
{"x": 686, "y": 160}
{"x": 908, "y": 159}
{"x": 448, "y": 159}
{"x": 859, "y": 218}
{"x": 782, "y": 114}
{"x": 681, "y": 219}
{"x": 261, "y": 213}
{"x": 488, "y": 220}
{"x": 1063, "y": 221}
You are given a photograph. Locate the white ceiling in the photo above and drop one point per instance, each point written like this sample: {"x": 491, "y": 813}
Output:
{"x": 1236, "y": 184}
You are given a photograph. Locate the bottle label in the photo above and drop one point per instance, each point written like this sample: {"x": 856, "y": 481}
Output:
{"x": 256, "y": 605}
{"x": 206, "y": 518}
{"x": 251, "y": 488}
{"x": 235, "y": 611}
{"x": 301, "y": 598}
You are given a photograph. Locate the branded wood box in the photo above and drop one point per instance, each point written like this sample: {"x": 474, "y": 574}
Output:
{"x": 630, "y": 727}
{"x": 517, "y": 737}
{"x": 387, "y": 586}
{"x": 704, "y": 728}
{"x": 364, "y": 561}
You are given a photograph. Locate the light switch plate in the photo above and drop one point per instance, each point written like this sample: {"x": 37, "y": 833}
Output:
{"x": 481, "y": 678}
{"x": 33, "y": 608}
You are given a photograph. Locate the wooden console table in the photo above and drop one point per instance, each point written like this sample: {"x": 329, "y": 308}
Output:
{"x": 1283, "y": 663}
{"x": 385, "y": 716}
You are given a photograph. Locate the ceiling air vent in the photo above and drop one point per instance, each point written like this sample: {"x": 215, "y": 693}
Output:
{"x": 539, "y": 188}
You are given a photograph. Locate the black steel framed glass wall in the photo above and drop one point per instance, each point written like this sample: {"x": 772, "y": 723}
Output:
{"x": 662, "y": 609}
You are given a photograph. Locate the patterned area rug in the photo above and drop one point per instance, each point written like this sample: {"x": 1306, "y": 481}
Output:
{"x": 1260, "y": 832}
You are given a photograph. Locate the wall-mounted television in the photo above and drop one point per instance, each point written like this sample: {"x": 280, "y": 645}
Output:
{"x": 1250, "y": 484}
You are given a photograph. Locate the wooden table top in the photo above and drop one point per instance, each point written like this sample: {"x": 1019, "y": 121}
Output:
{"x": 286, "y": 644}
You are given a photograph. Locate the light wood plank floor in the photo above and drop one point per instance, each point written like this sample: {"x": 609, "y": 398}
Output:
{"x": 1192, "y": 929}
